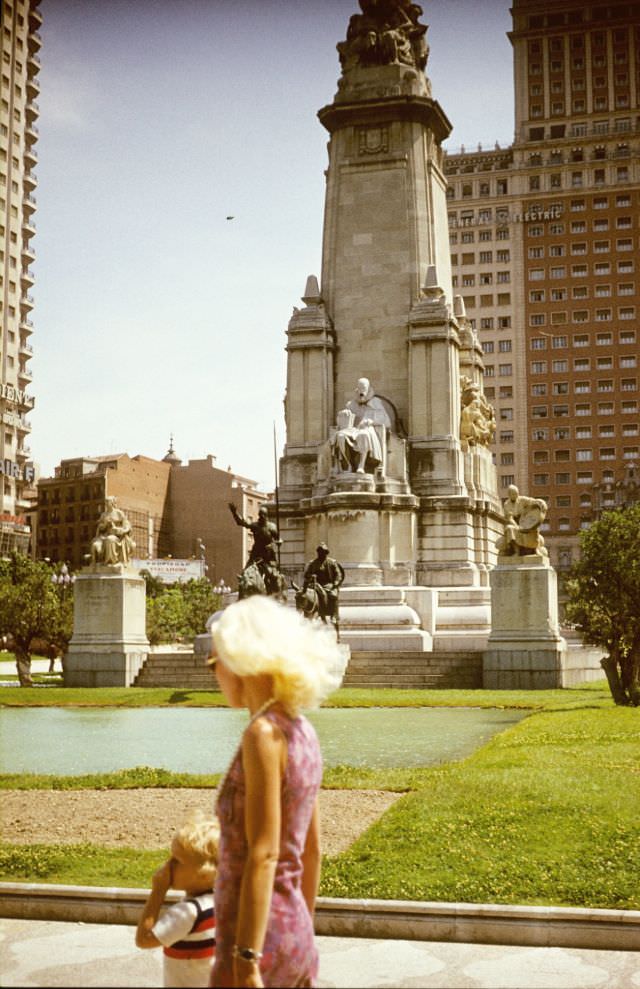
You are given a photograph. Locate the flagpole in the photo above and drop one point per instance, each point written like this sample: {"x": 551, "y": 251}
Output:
{"x": 275, "y": 466}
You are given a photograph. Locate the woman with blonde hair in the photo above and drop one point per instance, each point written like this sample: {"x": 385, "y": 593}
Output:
{"x": 270, "y": 660}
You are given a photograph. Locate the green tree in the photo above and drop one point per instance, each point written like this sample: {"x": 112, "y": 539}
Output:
{"x": 178, "y": 612}
{"x": 604, "y": 598}
{"x": 31, "y": 609}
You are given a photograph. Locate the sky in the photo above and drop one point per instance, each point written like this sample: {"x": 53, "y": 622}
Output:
{"x": 155, "y": 315}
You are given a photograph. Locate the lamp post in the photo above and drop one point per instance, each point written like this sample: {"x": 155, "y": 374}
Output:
{"x": 62, "y": 581}
{"x": 202, "y": 554}
{"x": 221, "y": 588}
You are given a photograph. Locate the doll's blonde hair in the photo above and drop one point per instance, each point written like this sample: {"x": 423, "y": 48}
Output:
{"x": 257, "y": 636}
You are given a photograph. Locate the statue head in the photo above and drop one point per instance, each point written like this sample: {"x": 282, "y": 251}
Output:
{"x": 110, "y": 502}
{"x": 364, "y": 390}
{"x": 322, "y": 550}
{"x": 512, "y": 492}
{"x": 263, "y": 514}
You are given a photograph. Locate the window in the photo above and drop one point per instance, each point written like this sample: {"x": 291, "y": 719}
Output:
{"x": 602, "y": 268}
{"x": 537, "y": 319}
{"x": 606, "y": 431}
{"x": 506, "y": 414}
{"x": 604, "y": 339}
{"x": 578, "y": 270}
{"x": 540, "y": 479}
{"x": 506, "y": 436}
{"x": 556, "y": 251}
{"x": 560, "y": 366}
{"x": 579, "y": 292}
{"x": 584, "y": 477}
{"x": 628, "y": 362}
{"x": 538, "y": 367}
{"x": 604, "y": 363}
{"x": 607, "y": 453}
{"x": 538, "y": 390}
{"x": 559, "y": 272}
{"x": 536, "y": 295}
{"x": 579, "y": 248}
{"x": 540, "y": 434}
{"x": 505, "y": 370}
{"x": 627, "y": 336}
{"x": 583, "y": 433}
{"x": 560, "y": 410}
{"x": 602, "y": 291}
{"x": 538, "y": 343}
{"x": 625, "y": 244}
{"x": 627, "y": 313}
{"x": 563, "y": 478}
{"x": 583, "y": 455}
{"x": 541, "y": 457}
{"x": 561, "y": 388}
{"x": 582, "y": 387}
{"x": 581, "y": 364}
{"x": 580, "y": 316}
{"x": 504, "y": 346}
{"x": 487, "y": 346}
{"x": 539, "y": 412}
{"x": 605, "y": 384}
{"x": 583, "y": 409}
{"x": 605, "y": 408}
{"x": 506, "y": 459}
{"x": 486, "y": 257}
{"x": 626, "y": 288}
{"x": 535, "y": 252}
{"x": 562, "y": 433}
{"x": 559, "y": 342}
{"x": 628, "y": 384}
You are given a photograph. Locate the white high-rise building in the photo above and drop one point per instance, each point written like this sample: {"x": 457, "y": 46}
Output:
{"x": 21, "y": 20}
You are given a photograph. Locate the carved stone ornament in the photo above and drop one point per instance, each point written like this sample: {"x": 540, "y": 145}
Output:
{"x": 348, "y": 515}
{"x": 386, "y": 32}
{"x": 477, "y": 417}
{"x": 373, "y": 140}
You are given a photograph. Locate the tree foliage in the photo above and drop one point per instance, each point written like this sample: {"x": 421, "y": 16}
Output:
{"x": 33, "y": 613}
{"x": 604, "y": 598}
{"x": 178, "y": 612}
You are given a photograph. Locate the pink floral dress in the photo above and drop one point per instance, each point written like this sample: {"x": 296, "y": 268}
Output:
{"x": 290, "y": 957}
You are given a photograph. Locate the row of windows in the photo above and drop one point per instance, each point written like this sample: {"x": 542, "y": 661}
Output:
{"x": 600, "y": 104}
{"x": 582, "y": 340}
{"x": 581, "y": 270}
{"x": 486, "y": 278}
{"x": 543, "y": 434}
{"x": 566, "y": 477}
{"x": 583, "y": 409}
{"x": 504, "y": 346}
{"x": 582, "y": 316}
{"x": 603, "y": 453}
{"x": 501, "y": 299}
{"x": 484, "y": 257}
{"x": 581, "y": 292}
{"x": 580, "y": 364}
{"x": 578, "y": 129}
{"x": 580, "y": 227}
{"x": 582, "y": 387}
{"x": 484, "y": 236}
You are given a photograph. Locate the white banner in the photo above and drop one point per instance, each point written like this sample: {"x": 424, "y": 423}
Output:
{"x": 172, "y": 571}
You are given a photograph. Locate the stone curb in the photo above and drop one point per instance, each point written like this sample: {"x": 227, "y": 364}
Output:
{"x": 467, "y": 923}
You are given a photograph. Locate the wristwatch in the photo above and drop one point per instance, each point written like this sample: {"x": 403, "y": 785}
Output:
{"x": 247, "y": 954}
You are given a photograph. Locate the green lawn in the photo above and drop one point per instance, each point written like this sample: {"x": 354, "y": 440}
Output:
{"x": 544, "y": 813}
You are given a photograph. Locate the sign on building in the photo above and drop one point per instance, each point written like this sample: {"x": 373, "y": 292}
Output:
{"x": 172, "y": 571}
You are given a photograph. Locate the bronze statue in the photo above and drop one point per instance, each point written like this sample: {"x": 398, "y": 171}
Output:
{"x": 261, "y": 574}
{"x": 318, "y": 596}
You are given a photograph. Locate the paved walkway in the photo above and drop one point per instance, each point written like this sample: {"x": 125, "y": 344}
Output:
{"x": 52, "y": 954}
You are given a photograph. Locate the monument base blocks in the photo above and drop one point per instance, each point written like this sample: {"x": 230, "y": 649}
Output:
{"x": 109, "y": 643}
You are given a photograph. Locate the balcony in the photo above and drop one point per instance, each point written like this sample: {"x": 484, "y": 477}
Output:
{"x": 30, "y": 180}
{"x": 29, "y": 204}
{"x": 21, "y": 424}
{"x": 30, "y": 156}
{"x": 27, "y": 278}
{"x": 28, "y": 253}
{"x": 35, "y": 18}
{"x": 25, "y": 350}
{"x": 34, "y": 41}
{"x": 31, "y": 133}
{"x": 32, "y": 110}
{"x": 27, "y": 302}
{"x": 23, "y": 452}
{"x": 24, "y": 374}
{"x": 26, "y": 326}
{"x": 33, "y": 87}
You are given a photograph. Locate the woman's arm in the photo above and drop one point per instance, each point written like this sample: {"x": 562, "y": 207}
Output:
{"x": 264, "y": 754}
{"x": 311, "y": 861}
{"x": 160, "y": 883}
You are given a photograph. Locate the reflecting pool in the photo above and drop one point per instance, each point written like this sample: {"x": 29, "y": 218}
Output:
{"x": 73, "y": 741}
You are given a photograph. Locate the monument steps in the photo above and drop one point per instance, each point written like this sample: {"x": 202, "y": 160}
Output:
{"x": 410, "y": 670}
{"x": 175, "y": 669}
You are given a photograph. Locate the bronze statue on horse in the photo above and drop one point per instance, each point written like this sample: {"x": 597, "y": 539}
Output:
{"x": 261, "y": 573}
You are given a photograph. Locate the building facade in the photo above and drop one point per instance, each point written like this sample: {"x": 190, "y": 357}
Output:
{"x": 175, "y": 510}
{"x": 545, "y": 238}
{"x": 21, "y": 20}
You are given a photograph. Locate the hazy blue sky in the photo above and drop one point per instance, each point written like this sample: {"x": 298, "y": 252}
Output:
{"x": 154, "y": 314}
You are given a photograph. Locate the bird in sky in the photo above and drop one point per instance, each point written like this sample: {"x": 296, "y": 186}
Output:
{"x": 231, "y": 218}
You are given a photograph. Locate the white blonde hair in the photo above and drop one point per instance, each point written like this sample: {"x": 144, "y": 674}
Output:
{"x": 259, "y": 636}
{"x": 199, "y": 836}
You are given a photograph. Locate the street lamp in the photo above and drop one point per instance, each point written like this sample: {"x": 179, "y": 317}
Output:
{"x": 221, "y": 588}
{"x": 202, "y": 553}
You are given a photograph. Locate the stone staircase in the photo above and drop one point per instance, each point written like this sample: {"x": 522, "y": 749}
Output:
{"x": 413, "y": 670}
{"x": 179, "y": 668}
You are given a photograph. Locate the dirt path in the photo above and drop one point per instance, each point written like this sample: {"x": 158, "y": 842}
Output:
{"x": 146, "y": 818}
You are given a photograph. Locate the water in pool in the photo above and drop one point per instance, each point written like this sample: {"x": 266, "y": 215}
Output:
{"x": 73, "y": 741}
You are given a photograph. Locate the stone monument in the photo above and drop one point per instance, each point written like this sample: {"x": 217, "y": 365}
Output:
{"x": 525, "y": 648}
{"x": 109, "y": 642}
{"x": 387, "y": 454}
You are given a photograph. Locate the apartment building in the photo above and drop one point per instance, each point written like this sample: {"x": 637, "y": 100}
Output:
{"x": 174, "y": 509}
{"x": 20, "y": 23}
{"x": 545, "y": 238}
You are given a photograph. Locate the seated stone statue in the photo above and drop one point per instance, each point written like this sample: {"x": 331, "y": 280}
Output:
{"x": 357, "y": 445}
{"x": 112, "y": 542}
{"x": 521, "y": 533}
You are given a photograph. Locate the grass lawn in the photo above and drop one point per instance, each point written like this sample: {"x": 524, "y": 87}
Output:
{"x": 544, "y": 813}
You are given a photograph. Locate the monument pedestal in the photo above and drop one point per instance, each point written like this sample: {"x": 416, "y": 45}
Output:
{"x": 525, "y": 649}
{"x": 109, "y": 642}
